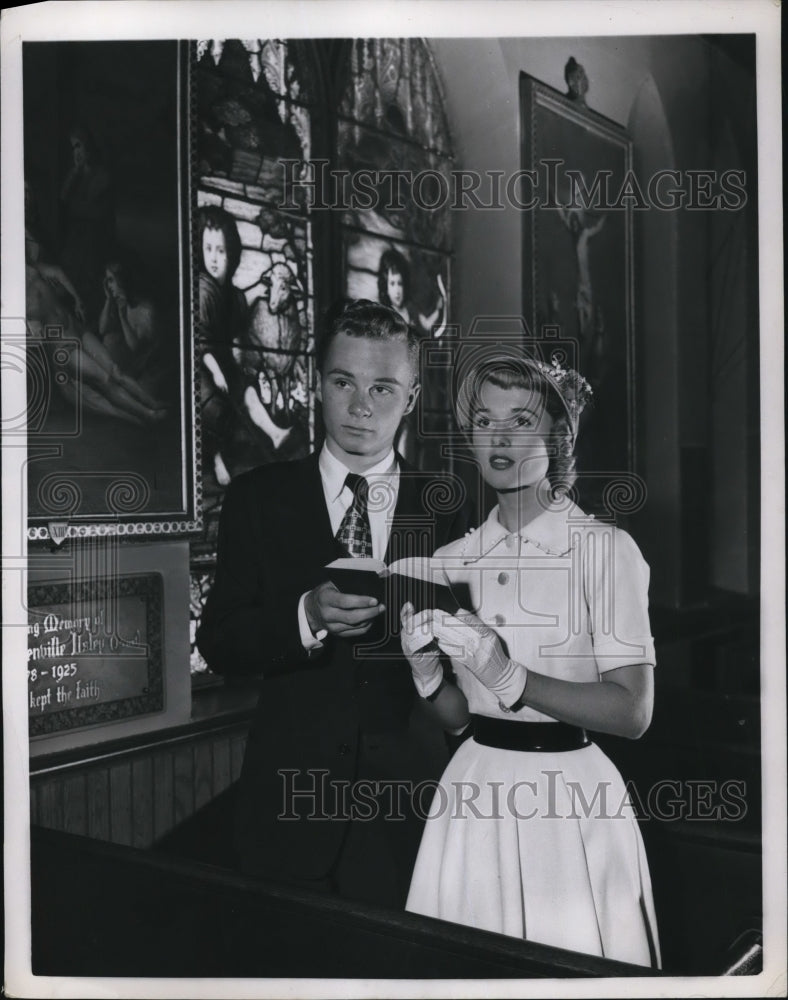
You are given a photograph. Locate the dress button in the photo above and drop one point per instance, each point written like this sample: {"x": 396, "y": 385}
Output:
{"x": 503, "y": 578}
{"x": 344, "y": 749}
{"x": 499, "y": 620}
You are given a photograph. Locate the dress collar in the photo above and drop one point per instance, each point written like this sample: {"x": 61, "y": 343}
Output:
{"x": 548, "y": 531}
{"x": 335, "y": 472}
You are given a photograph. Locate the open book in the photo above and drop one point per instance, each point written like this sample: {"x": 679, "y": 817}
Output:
{"x": 419, "y": 579}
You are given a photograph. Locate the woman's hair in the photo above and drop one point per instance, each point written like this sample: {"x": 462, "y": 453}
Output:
{"x": 513, "y": 373}
{"x": 127, "y": 269}
{"x": 79, "y": 130}
{"x": 363, "y": 318}
{"x": 213, "y": 217}
{"x": 392, "y": 261}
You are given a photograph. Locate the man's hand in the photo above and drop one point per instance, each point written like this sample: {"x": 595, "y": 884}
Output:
{"x": 340, "y": 614}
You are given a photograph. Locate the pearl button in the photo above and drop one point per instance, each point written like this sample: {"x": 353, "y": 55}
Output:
{"x": 503, "y": 578}
{"x": 499, "y": 620}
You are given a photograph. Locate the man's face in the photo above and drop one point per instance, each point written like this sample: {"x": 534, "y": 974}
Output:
{"x": 366, "y": 389}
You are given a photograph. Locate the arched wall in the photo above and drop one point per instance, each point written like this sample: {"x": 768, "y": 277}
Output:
{"x": 661, "y": 90}
{"x": 657, "y": 352}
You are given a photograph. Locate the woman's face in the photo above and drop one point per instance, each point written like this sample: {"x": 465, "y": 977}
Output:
{"x": 395, "y": 287}
{"x": 510, "y": 436}
{"x": 214, "y": 254}
{"x": 114, "y": 286}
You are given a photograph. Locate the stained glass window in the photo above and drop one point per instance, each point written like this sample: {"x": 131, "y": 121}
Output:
{"x": 254, "y": 260}
{"x": 257, "y": 103}
{"x": 392, "y": 126}
{"x": 253, "y": 264}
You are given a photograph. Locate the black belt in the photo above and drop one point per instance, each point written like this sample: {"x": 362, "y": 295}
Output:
{"x": 548, "y": 737}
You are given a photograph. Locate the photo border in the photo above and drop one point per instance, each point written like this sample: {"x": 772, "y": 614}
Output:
{"x": 535, "y": 19}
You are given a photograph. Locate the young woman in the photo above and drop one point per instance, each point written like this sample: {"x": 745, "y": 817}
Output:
{"x": 127, "y": 324}
{"x": 531, "y": 832}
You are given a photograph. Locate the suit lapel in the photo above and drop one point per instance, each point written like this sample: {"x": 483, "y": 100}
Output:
{"x": 317, "y": 534}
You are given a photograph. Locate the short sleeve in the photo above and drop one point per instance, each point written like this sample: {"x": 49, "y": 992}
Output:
{"x": 616, "y": 578}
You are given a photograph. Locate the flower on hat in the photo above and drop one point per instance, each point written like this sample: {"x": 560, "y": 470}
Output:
{"x": 571, "y": 386}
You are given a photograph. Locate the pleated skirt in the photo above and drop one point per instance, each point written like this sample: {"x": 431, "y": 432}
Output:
{"x": 540, "y": 846}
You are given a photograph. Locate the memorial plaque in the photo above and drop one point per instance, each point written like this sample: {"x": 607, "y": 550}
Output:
{"x": 95, "y": 652}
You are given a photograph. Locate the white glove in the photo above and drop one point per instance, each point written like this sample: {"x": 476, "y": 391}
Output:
{"x": 421, "y": 650}
{"x": 470, "y": 642}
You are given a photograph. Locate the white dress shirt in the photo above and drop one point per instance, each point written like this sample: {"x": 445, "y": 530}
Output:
{"x": 383, "y": 480}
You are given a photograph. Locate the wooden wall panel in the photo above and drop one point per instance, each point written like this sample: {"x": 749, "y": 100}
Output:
{"x": 137, "y": 797}
{"x": 222, "y": 774}
{"x": 120, "y": 795}
{"x": 51, "y": 805}
{"x": 183, "y": 782}
{"x": 75, "y": 804}
{"x": 203, "y": 774}
{"x": 98, "y": 803}
{"x": 237, "y": 749}
{"x": 163, "y": 799}
{"x": 142, "y": 808}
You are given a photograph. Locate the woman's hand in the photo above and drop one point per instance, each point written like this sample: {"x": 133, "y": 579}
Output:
{"x": 468, "y": 641}
{"x": 421, "y": 650}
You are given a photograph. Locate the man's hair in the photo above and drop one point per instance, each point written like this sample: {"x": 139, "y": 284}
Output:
{"x": 363, "y": 318}
{"x": 213, "y": 217}
{"x": 508, "y": 373}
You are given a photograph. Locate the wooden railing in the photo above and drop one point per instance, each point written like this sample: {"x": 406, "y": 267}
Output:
{"x": 171, "y": 791}
{"x": 100, "y": 909}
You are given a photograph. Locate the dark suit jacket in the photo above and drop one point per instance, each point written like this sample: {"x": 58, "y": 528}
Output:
{"x": 274, "y": 540}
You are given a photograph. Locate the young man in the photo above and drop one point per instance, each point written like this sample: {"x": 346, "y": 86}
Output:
{"x": 333, "y": 754}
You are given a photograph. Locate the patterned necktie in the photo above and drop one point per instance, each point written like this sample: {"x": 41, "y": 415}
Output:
{"x": 354, "y": 531}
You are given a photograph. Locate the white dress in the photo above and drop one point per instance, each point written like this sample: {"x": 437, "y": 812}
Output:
{"x": 544, "y": 846}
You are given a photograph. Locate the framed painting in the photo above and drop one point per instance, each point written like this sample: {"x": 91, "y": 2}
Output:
{"x": 111, "y": 399}
{"x": 577, "y": 195}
